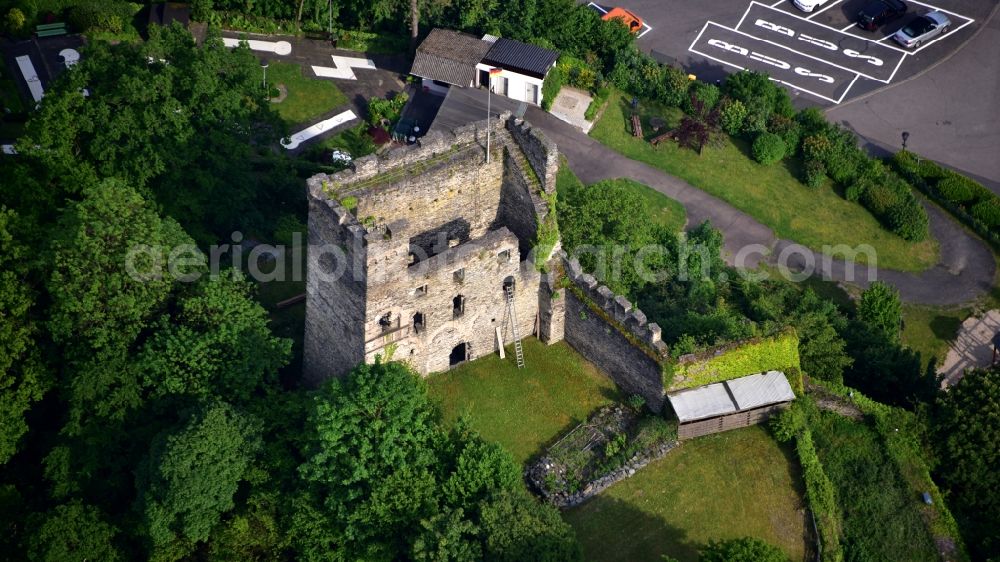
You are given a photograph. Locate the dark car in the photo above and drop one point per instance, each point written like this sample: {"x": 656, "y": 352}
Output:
{"x": 880, "y": 12}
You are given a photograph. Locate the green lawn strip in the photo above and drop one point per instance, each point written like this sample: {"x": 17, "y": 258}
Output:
{"x": 771, "y": 194}
{"x": 526, "y": 409}
{"x": 728, "y": 485}
{"x": 880, "y": 513}
{"x": 307, "y": 98}
{"x": 930, "y": 330}
{"x": 662, "y": 209}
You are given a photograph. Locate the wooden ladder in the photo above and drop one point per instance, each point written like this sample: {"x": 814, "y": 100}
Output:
{"x": 518, "y": 351}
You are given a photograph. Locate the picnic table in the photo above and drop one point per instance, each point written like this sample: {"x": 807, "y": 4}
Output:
{"x": 50, "y": 29}
{"x": 636, "y": 126}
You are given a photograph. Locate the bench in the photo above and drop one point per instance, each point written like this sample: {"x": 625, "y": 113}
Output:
{"x": 51, "y": 33}
{"x": 671, "y": 135}
{"x": 636, "y": 126}
{"x": 50, "y": 26}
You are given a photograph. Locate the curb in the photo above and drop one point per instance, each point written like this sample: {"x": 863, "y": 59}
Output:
{"x": 942, "y": 60}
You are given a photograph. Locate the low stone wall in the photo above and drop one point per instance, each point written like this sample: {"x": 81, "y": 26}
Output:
{"x": 591, "y": 489}
{"x": 540, "y": 151}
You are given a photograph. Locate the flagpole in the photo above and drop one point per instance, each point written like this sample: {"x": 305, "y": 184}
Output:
{"x": 489, "y": 124}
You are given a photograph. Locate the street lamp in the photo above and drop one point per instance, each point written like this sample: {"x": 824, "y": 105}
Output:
{"x": 263, "y": 66}
{"x": 906, "y": 135}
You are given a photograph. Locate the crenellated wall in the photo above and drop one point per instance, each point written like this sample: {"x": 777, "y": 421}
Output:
{"x": 616, "y": 337}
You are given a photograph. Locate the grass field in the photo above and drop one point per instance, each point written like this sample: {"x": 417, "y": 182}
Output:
{"x": 728, "y": 485}
{"x": 881, "y": 513}
{"x": 308, "y": 98}
{"x": 523, "y": 409}
{"x": 930, "y": 330}
{"x": 771, "y": 194}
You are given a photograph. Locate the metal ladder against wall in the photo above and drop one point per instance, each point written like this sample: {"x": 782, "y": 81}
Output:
{"x": 519, "y": 353}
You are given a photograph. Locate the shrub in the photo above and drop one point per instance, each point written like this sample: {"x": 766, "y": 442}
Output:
{"x": 15, "y": 21}
{"x": 956, "y": 188}
{"x": 812, "y": 121}
{"x": 732, "y": 115}
{"x": 757, "y": 114}
{"x": 787, "y": 129}
{"x": 908, "y": 219}
{"x": 707, "y": 94}
{"x": 988, "y": 212}
{"x": 854, "y": 192}
{"x": 816, "y": 147}
{"x": 96, "y": 15}
{"x": 551, "y": 86}
{"x": 877, "y": 197}
{"x": 815, "y": 173}
{"x": 768, "y": 148}
{"x": 675, "y": 86}
{"x": 600, "y": 96}
{"x": 390, "y": 110}
{"x": 201, "y": 9}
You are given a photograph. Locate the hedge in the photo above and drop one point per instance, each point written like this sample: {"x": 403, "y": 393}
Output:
{"x": 551, "y": 85}
{"x": 928, "y": 177}
{"x": 779, "y": 353}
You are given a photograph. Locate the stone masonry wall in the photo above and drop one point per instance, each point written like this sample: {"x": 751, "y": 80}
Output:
{"x": 616, "y": 338}
{"x": 517, "y": 209}
{"x": 541, "y": 152}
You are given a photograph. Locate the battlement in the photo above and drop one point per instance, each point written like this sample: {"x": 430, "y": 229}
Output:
{"x": 617, "y": 307}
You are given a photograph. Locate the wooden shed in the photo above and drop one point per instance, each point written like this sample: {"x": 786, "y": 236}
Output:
{"x": 730, "y": 404}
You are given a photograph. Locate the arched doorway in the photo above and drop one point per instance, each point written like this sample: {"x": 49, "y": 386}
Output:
{"x": 459, "y": 354}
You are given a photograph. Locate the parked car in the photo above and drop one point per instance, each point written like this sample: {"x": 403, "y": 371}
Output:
{"x": 808, "y": 5}
{"x": 923, "y": 28}
{"x": 631, "y": 21}
{"x": 880, "y": 12}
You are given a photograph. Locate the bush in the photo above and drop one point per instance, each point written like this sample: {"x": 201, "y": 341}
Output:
{"x": 768, "y": 148}
{"x": 909, "y": 220}
{"x": 815, "y": 173}
{"x": 732, "y": 116}
{"x": 877, "y": 197}
{"x": 854, "y": 192}
{"x": 389, "y": 110}
{"x": 707, "y": 94}
{"x": 988, "y": 212}
{"x": 787, "y": 129}
{"x": 757, "y": 115}
{"x": 551, "y": 86}
{"x": 675, "y": 86}
{"x": 600, "y": 96}
{"x": 97, "y": 15}
{"x": 956, "y": 189}
{"x": 15, "y": 21}
{"x": 201, "y": 9}
{"x": 816, "y": 147}
{"x": 577, "y": 73}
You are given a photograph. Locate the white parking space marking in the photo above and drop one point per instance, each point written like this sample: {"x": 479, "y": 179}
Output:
{"x": 868, "y": 58}
{"x": 276, "y": 47}
{"x": 778, "y": 3}
{"x": 941, "y": 10}
{"x": 596, "y": 7}
{"x": 343, "y": 68}
{"x": 818, "y": 12}
{"x": 744, "y": 51}
{"x": 309, "y": 132}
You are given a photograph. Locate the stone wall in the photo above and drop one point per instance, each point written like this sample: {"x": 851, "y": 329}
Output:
{"x": 541, "y": 152}
{"x": 517, "y": 209}
{"x": 606, "y": 330}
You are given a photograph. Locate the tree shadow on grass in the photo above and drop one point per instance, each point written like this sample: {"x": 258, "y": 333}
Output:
{"x": 945, "y": 327}
{"x": 610, "y": 529}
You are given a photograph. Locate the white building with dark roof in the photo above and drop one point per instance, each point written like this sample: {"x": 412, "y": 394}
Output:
{"x": 450, "y": 58}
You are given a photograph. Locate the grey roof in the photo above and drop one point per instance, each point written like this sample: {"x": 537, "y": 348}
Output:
{"x": 449, "y": 56}
{"x": 760, "y": 390}
{"x": 729, "y": 397}
{"x": 520, "y": 57}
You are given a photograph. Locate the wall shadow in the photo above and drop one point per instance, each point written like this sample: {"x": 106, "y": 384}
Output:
{"x": 610, "y": 529}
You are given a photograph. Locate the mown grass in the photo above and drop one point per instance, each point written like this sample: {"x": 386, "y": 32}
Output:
{"x": 728, "y": 485}
{"x": 771, "y": 194}
{"x": 881, "y": 514}
{"x": 523, "y": 409}
{"x": 307, "y": 98}
{"x": 930, "y": 330}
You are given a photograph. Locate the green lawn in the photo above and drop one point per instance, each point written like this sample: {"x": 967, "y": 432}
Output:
{"x": 307, "y": 98}
{"x": 523, "y": 409}
{"x": 931, "y": 329}
{"x": 881, "y": 513}
{"x": 771, "y": 194}
{"x": 728, "y": 485}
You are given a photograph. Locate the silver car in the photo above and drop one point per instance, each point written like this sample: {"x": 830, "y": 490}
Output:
{"x": 922, "y": 28}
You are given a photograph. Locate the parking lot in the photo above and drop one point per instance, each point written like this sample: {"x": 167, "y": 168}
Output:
{"x": 823, "y": 57}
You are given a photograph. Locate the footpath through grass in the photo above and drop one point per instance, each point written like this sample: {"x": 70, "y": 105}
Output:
{"x": 307, "y": 98}
{"x": 728, "y": 485}
{"x": 526, "y": 409}
{"x": 771, "y": 194}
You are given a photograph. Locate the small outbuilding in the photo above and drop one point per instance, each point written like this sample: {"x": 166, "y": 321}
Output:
{"x": 730, "y": 404}
{"x": 449, "y": 58}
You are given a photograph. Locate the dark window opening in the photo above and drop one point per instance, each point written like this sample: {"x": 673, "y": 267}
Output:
{"x": 420, "y": 291}
{"x": 385, "y": 322}
{"x": 459, "y": 354}
{"x": 458, "y": 306}
{"x": 459, "y": 275}
{"x": 418, "y": 322}
{"x": 504, "y": 256}
{"x": 508, "y": 284}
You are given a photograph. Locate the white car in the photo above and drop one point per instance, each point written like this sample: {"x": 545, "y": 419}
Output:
{"x": 808, "y": 5}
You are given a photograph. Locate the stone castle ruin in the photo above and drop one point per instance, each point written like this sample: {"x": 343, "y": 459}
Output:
{"x": 434, "y": 253}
